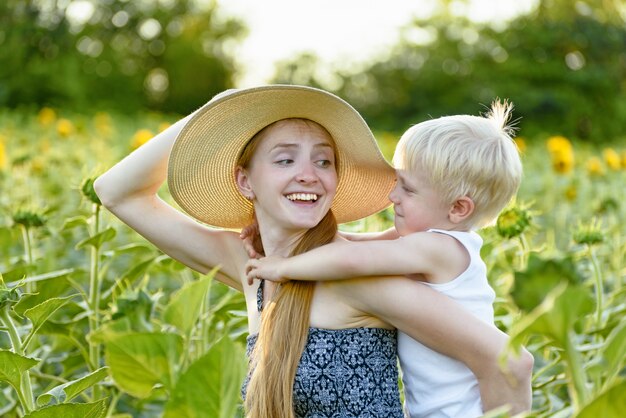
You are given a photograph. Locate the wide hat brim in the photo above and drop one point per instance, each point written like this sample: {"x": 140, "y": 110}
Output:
{"x": 201, "y": 170}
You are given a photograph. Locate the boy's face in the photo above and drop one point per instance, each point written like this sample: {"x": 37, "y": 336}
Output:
{"x": 416, "y": 204}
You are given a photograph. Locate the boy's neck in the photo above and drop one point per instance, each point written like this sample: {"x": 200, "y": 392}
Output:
{"x": 447, "y": 227}
{"x": 451, "y": 226}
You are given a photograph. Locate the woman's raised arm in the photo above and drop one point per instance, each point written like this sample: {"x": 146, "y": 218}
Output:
{"x": 445, "y": 326}
{"x": 129, "y": 190}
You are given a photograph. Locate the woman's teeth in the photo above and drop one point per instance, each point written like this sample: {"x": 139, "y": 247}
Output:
{"x": 302, "y": 197}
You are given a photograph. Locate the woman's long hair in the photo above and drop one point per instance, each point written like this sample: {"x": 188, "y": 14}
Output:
{"x": 284, "y": 326}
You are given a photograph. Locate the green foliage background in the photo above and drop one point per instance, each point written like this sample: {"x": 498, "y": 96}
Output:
{"x": 96, "y": 322}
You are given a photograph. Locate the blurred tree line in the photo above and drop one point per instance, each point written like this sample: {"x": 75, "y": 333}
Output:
{"x": 563, "y": 65}
{"x": 168, "y": 55}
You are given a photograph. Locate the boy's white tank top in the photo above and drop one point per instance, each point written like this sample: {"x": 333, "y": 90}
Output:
{"x": 437, "y": 386}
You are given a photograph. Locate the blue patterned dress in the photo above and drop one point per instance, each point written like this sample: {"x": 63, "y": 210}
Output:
{"x": 345, "y": 373}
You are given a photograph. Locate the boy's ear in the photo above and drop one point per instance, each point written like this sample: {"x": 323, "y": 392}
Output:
{"x": 461, "y": 209}
{"x": 243, "y": 184}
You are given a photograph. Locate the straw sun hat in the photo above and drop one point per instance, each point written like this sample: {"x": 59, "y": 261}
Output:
{"x": 201, "y": 171}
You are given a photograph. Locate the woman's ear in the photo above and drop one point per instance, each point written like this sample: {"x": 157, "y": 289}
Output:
{"x": 461, "y": 209}
{"x": 243, "y": 183}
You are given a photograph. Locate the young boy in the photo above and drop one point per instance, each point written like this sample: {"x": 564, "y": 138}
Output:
{"x": 455, "y": 174}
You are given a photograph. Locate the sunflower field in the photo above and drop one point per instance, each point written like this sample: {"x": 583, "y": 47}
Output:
{"x": 96, "y": 322}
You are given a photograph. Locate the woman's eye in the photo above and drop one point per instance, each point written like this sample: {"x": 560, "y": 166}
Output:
{"x": 324, "y": 163}
{"x": 284, "y": 161}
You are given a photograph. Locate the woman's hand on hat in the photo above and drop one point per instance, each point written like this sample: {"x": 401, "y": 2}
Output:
{"x": 252, "y": 240}
{"x": 267, "y": 268}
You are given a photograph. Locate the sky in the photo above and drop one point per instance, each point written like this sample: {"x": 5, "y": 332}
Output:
{"x": 341, "y": 32}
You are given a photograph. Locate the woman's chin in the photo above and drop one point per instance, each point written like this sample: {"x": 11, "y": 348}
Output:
{"x": 304, "y": 221}
{"x": 306, "y": 216}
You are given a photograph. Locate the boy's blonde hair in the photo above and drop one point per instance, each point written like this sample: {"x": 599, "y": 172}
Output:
{"x": 463, "y": 155}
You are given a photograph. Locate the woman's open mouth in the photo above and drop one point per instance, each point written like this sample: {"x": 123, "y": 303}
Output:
{"x": 302, "y": 197}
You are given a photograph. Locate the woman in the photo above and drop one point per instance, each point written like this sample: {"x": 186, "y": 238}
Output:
{"x": 295, "y": 158}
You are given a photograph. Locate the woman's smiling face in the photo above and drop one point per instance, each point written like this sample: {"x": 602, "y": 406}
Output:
{"x": 292, "y": 176}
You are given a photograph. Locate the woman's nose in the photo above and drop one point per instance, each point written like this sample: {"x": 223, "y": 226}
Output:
{"x": 306, "y": 173}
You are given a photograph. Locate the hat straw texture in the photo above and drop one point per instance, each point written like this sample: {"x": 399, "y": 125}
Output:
{"x": 201, "y": 170}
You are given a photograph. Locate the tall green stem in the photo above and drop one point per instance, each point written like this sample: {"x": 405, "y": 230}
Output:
{"x": 619, "y": 258}
{"x": 28, "y": 252}
{"x": 94, "y": 298}
{"x": 26, "y": 393}
{"x": 114, "y": 399}
{"x": 597, "y": 274}
{"x": 523, "y": 252}
{"x": 206, "y": 320}
{"x": 577, "y": 384}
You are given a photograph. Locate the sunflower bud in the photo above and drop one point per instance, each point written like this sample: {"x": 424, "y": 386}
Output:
{"x": 8, "y": 296}
{"x": 589, "y": 234}
{"x": 29, "y": 218}
{"x": 512, "y": 222}
{"x": 89, "y": 192}
{"x": 571, "y": 192}
{"x": 610, "y": 204}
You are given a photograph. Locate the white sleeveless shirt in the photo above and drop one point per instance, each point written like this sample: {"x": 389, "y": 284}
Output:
{"x": 437, "y": 386}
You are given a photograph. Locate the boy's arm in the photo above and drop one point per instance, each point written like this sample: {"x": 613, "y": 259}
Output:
{"x": 390, "y": 233}
{"x": 416, "y": 253}
{"x": 252, "y": 241}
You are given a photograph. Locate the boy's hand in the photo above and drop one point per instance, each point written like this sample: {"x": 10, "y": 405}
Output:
{"x": 265, "y": 268}
{"x": 252, "y": 240}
